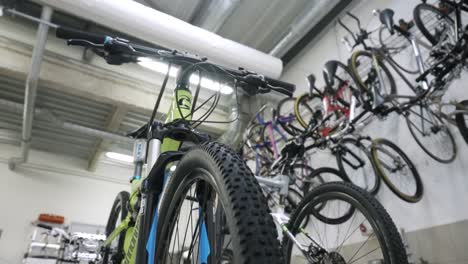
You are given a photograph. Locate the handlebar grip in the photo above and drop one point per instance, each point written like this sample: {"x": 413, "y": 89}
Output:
{"x": 283, "y": 87}
{"x": 48, "y": 227}
{"x": 70, "y": 33}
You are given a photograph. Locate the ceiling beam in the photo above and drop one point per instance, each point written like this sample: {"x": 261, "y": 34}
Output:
{"x": 113, "y": 124}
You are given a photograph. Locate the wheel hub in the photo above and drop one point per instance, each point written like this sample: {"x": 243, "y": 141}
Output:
{"x": 333, "y": 258}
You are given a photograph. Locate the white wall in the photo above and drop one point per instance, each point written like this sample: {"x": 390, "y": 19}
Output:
{"x": 52, "y": 184}
{"x": 446, "y": 185}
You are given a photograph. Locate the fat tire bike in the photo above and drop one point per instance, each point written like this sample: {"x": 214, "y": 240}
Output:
{"x": 210, "y": 207}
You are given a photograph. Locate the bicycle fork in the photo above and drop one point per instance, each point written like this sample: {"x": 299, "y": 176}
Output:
{"x": 282, "y": 221}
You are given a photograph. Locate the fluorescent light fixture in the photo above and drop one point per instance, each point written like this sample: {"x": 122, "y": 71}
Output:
{"x": 158, "y": 66}
{"x": 119, "y": 157}
{"x": 161, "y": 67}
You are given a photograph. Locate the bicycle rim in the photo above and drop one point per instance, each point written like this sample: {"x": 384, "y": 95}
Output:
{"x": 355, "y": 163}
{"x": 431, "y": 134}
{"x": 433, "y": 24}
{"x": 328, "y": 175}
{"x": 397, "y": 170}
{"x": 286, "y": 117}
{"x": 307, "y": 107}
{"x": 369, "y": 235}
{"x": 366, "y": 75}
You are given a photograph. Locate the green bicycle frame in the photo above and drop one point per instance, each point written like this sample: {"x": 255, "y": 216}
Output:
{"x": 180, "y": 108}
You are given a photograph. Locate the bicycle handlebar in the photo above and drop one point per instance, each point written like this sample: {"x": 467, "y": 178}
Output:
{"x": 355, "y": 18}
{"x": 70, "y": 33}
{"x": 117, "y": 51}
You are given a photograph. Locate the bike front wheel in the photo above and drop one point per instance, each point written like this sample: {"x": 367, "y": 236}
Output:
{"x": 115, "y": 252}
{"x": 397, "y": 170}
{"x": 354, "y": 161}
{"x": 431, "y": 133}
{"x": 434, "y": 24}
{"x": 213, "y": 209}
{"x": 368, "y": 235}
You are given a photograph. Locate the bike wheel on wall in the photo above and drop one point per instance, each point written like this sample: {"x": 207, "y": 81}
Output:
{"x": 286, "y": 117}
{"x": 431, "y": 133}
{"x": 355, "y": 162}
{"x": 399, "y": 50}
{"x": 369, "y": 235}
{"x": 366, "y": 75}
{"x": 434, "y": 24}
{"x": 274, "y": 138}
{"x": 462, "y": 119}
{"x": 397, "y": 170}
{"x": 308, "y": 107}
{"x": 115, "y": 252}
{"x": 213, "y": 196}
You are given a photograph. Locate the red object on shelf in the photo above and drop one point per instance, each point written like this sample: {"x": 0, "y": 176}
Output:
{"x": 49, "y": 218}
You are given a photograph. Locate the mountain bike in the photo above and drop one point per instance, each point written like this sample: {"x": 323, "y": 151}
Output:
{"x": 335, "y": 222}
{"x": 210, "y": 207}
{"x": 423, "y": 119}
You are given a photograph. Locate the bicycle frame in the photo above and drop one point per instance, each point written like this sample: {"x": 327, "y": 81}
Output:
{"x": 155, "y": 147}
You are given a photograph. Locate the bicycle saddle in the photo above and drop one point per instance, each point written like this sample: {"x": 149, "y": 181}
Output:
{"x": 386, "y": 18}
{"x": 311, "y": 79}
{"x": 329, "y": 72}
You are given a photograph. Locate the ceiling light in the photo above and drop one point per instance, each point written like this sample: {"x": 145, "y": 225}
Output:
{"x": 158, "y": 66}
{"x": 161, "y": 67}
{"x": 119, "y": 157}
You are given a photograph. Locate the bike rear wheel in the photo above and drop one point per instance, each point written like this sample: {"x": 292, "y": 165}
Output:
{"x": 433, "y": 23}
{"x": 308, "y": 107}
{"x": 115, "y": 252}
{"x": 399, "y": 51}
{"x": 327, "y": 175}
{"x": 431, "y": 133}
{"x": 397, "y": 170}
{"x": 355, "y": 162}
{"x": 366, "y": 75}
{"x": 286, "y": 118}
{"x": 344, "y": 242}
{"x": 212, "y": 194}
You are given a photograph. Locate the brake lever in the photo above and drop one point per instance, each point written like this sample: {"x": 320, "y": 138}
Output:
{"x": 84, "y": 43}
